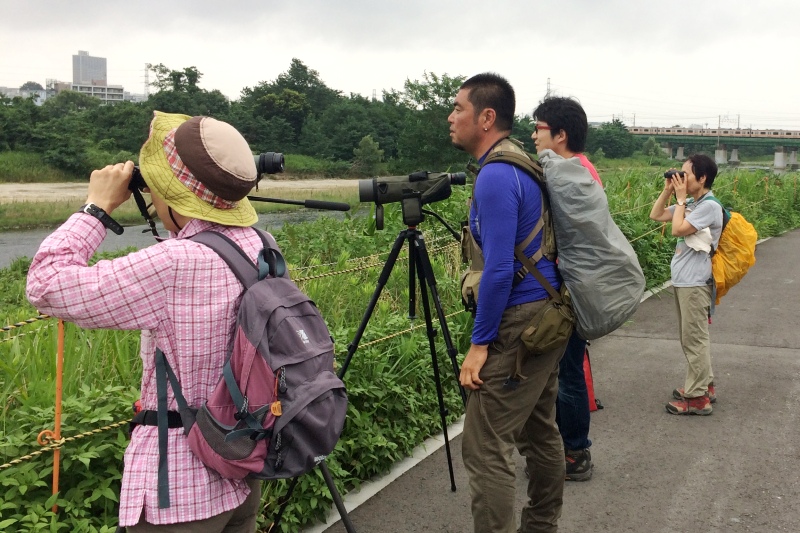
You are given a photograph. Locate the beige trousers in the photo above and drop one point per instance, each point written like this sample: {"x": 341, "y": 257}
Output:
{"x": 692, "y": 304}
{"x": 500, "y": 417}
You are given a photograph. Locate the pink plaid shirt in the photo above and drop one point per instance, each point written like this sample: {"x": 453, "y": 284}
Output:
{"x": 184, "y": 298}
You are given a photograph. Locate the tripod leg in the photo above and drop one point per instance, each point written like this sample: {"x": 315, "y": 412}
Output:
{"x": 337, "y": 499}
{"x": 436, "y": 375}
{"x": 412, "y": 280}
{"x": 335, "y": 496}
{"x": 382, "y": 279}
{"x": 279, "y": 515}
{"x": 426, "y": 273}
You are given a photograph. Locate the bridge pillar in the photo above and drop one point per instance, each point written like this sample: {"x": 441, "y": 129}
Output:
{"x": 667, "y": 147}
{"x": 721, "y": 155}
{"x": 780, "y": 158}
{"x": 793, "y": 159}
{"x": 679, "y": 154}
{"x": 734, "y": 160}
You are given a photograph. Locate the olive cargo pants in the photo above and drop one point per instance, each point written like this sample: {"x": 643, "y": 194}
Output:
{"x": 499, "y": 417}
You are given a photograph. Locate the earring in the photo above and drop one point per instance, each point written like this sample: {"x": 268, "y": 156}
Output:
{"x": 485, "y": 129}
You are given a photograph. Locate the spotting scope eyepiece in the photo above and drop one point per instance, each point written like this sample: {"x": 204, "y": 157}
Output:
{"x": 269, "y": 163}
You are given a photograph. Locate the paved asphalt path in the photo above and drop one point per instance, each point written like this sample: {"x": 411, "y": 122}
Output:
{"x": 737, "y": 470}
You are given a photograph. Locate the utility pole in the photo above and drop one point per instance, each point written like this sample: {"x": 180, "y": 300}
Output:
{"x": 547, "y": 94}
{"x": 146, "y": 81}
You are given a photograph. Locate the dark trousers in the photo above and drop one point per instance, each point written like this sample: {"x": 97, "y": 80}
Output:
{"x": 572, "y": 408}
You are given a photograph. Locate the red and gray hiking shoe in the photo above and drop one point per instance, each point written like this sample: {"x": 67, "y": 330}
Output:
{"x": 690, "y": 406}
{"x": 712, "y": 393}
{"x": 579, "y": 465}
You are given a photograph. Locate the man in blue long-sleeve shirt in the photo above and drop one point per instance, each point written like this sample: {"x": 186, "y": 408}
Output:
{"x": 503, "y": 410}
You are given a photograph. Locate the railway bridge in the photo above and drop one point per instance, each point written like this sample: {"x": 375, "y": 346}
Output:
{"x": 785, "y": 142}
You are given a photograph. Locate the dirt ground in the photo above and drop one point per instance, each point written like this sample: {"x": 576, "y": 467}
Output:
{"x": 53, "y": 192}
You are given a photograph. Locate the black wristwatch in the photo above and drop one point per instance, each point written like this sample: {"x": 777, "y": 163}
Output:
{"x": 102, "y": 216}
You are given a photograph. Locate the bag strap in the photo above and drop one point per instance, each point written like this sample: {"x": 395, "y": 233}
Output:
{"x": 164, "y": 372}
{"x": 518, "y": 157}
{"x": 519, "y": 253}
{"x": 270, "y": 260}
{"x": 726, "y": 215}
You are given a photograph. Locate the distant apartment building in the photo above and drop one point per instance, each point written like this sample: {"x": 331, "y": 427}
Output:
{"x": 90, "y": 77}
{"x": 109, "y": 94}
{"x": 134, "y": 97}
{"x": 13, "y": 92}
{"x": 89, "y": 70}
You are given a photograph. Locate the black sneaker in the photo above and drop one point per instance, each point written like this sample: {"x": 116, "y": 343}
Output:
{"x": 579, "y": 465}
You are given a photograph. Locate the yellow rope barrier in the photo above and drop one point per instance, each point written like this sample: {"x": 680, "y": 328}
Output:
{"x": 353, "y": 260}
{"x": 51, "y": 444}
{"x": 635, "y": 208}
{"x": 11, "y": 338}
{"x": 402, "y": 332}
{"x": 647, "y": 233}
{"x": 336, "y": 273}
{"x": 24, "y": 323}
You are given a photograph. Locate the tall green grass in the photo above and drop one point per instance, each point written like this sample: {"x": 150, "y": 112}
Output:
{"x": 27, "y": 167}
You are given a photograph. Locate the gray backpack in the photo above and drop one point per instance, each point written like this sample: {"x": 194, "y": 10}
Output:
{"x": 597, "y": 262}
{"x": 278, "y": 409}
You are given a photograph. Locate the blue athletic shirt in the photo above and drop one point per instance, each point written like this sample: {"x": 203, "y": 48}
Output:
{"x": 506, "y": 206}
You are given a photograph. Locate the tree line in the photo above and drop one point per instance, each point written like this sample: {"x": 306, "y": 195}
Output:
{"x": 296, "y": 113}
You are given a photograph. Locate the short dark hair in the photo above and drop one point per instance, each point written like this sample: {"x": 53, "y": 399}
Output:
{"x": 702, "y": 165}
{"x": 567, "y": 115}
{"x": 492, "y": 91}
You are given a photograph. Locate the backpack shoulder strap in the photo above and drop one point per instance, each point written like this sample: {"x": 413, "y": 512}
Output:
{"x": 726, "y": 215}
{"x": 164, "y": 373}
{"x": 511, "y": 151}
{"x": 270, "y": 260}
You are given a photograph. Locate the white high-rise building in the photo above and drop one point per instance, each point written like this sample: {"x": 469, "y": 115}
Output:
{"x": 89, "y": 70}
{"x": 90, "y": 77}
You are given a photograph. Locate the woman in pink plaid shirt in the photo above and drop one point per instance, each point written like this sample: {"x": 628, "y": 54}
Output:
{"x": 180, "y": 293}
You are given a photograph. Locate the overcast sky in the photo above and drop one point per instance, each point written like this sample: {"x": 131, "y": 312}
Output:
{"x": 658, "y": 63}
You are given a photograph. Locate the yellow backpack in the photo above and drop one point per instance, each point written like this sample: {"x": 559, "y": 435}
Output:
{"x": 735, "y": 253}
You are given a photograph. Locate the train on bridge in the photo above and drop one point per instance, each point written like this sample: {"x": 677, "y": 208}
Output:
{"x": 717, "y": 132}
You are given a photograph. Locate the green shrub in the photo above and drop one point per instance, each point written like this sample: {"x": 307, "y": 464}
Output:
{"x": 28, "y": 167}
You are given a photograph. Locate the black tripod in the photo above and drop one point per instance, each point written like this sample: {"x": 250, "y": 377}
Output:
{"x": 419, "y": 268}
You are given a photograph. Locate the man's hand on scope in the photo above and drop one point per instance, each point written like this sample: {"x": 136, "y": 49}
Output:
{"x": 108, "y": 186}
